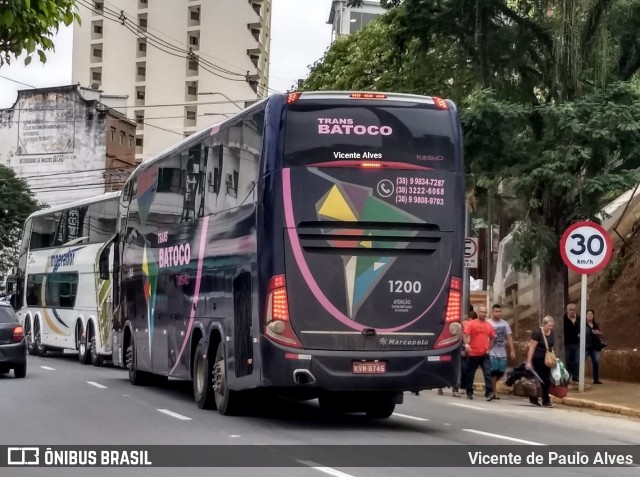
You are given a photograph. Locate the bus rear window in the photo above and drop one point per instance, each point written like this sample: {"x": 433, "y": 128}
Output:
{"x": 318, "y": 132}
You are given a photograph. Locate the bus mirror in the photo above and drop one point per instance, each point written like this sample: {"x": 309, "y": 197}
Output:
{"x": 104, "y": 264}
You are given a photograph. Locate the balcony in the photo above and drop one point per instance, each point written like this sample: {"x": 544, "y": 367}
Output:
{"x": 140, "y": 95}
{"x": 141, "y": 51}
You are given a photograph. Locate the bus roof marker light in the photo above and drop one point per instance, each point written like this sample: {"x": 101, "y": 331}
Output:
{"x": 371, "y": 165}
{"x": 368, "y": 96}
{"x": 440, "y": 103}
{"x": 293, "y": 97}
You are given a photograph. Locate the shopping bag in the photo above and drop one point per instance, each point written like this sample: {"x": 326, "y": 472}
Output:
{"x": 558, "y": 391}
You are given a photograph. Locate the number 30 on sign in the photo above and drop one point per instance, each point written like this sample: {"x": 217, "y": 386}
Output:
{"x": 586, "y": 247}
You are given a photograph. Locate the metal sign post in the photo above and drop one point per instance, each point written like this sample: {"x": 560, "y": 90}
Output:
{"x": 586, "y": 248}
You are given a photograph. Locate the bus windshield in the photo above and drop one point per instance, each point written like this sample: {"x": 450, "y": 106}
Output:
{"x": 319, "y": 132}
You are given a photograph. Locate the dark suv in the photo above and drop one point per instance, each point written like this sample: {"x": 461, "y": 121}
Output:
{"x": 13, "y": 346}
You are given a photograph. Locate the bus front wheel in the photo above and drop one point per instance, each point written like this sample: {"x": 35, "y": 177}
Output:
{"x": 203, "y": 378}
{"x": 226, "y": 400}
{"x": 137, "y": 378}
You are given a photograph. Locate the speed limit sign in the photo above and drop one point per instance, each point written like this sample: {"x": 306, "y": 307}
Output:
{"x": 586, "y": 247}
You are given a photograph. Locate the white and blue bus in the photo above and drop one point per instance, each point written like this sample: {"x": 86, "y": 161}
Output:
{"x": 62, "y": 301}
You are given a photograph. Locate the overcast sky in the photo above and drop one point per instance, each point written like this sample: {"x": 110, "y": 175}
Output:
{"x": 299, "y": 36}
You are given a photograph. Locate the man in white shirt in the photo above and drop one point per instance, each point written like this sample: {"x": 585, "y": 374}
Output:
{"x": 498, "y": 354}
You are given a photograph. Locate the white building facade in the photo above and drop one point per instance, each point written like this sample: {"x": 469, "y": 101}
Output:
{"x": 183, "y": 64}
{"x": 66, "y": 143}
{"x": 348, "y": 20}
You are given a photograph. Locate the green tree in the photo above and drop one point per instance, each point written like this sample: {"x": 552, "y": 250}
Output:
{"x": 543, "y": 111}
{"x": 28, "y": 25}
{"x": 16, "y": 204}
{"x": 580, "y": 154}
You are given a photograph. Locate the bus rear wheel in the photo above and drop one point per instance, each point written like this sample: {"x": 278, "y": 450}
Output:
{"x": 203, "y": 378}
{"x": 96, "y": 359}
{"x": 380, "y": 408}
{"x": 227, "y": 401}
{"x": 40, "y": 349}
{"x": 83, "y": 352}
{"x": 31, "y": 349}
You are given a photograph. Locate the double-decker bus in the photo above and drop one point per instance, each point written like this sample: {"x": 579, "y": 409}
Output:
{"x": 311, "y": 246}
{"x": 61, "y": 298}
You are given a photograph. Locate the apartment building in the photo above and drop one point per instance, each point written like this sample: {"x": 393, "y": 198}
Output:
{"x": 182, "y": 64}
{"x": 348, "y": 20}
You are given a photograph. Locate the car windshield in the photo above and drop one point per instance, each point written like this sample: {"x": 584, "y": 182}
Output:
{"x": 7, "y": 315}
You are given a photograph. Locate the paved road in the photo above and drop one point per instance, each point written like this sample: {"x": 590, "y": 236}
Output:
{"x": 62, "y": 402}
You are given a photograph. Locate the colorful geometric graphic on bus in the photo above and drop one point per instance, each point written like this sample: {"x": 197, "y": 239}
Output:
{"x": 150, "y": 280}
{"x": 351, "y": 203}
{"x": 146, "y": 187}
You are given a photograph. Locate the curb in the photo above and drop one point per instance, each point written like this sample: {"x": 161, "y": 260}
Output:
{"x": 572, "y": 402}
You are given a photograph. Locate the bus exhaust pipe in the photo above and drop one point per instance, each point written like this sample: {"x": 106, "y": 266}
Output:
{"x": 303, "y": 376}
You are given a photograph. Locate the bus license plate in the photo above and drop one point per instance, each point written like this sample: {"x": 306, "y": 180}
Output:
{"x": 369, "y": 367}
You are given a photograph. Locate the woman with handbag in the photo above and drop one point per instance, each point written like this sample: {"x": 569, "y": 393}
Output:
{"x": 594, "y": 344}
{"x": 541, "y": 358}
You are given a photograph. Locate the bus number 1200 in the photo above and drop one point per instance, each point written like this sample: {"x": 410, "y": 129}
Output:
{"x": 398, "y": 286}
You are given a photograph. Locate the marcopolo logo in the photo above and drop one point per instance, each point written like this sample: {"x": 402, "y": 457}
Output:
{"x": 174, "y": 256}
{"x": 62, "y": 259}
{"x": 23, "y": 456}
{"x": 347, "y": 126}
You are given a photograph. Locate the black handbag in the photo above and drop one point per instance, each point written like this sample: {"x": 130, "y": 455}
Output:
{"x": 600, "y": 343}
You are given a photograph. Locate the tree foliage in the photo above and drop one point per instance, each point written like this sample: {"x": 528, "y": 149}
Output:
{"x": 549, "y": 104}
{"x": 16, "y": 204}
{"x": 28, "y": 25}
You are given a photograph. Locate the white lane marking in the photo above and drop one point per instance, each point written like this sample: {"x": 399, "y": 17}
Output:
{"x": 325, "y": 470}
{"x": 234, "y": 435}
{"x": 48, "y": 368}
{"x": 468, "y": 406}
{"x": 99, "y": 386}
{"x": 174, "y": 414}
{"x": 410, "y": 417}
{"x": 501, "y": 409}
{"x": 506, "y": 438}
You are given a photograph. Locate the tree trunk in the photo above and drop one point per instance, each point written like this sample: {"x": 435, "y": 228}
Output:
{"x": 552, "y": 299}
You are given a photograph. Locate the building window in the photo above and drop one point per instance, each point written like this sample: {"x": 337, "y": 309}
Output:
{"x": 97, "y": 29}
{"x": 131, "y": 141}
{"x": 142, "y": 22}
{"x": 191, "y": 115}
{"x": 142, "y": 46}
{"x": 113, "y": 134}
{"x": 139, "y": 141}
{"x": 123, "y": 136}
{"x": 142, "y": 71}
{"x": 97, "y": 52}
{"x": 192, "y": 89}
{"x": 96, "y": 76}
{"x": 139, "y": 118}
{"x": 193, "y": 65}
{"x": 195, "y": 15}
{"x": 98, "y": 5}
{"x": 193, "y": 40}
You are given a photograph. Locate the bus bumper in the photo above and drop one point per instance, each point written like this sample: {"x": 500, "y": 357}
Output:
{"x": 334, "y": 370}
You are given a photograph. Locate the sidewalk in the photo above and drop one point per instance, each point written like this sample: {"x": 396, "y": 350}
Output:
{"x": 612, "y": 396}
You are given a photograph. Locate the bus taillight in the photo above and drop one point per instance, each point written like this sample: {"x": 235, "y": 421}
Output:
{"x": 452, "y": 330}
{"x": 440, "y": 103}
{"x": 278, "y": 326}
{"x": 293, "y": 97}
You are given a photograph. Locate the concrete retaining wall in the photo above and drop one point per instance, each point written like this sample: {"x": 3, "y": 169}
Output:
{"x": 615, "y": 365}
